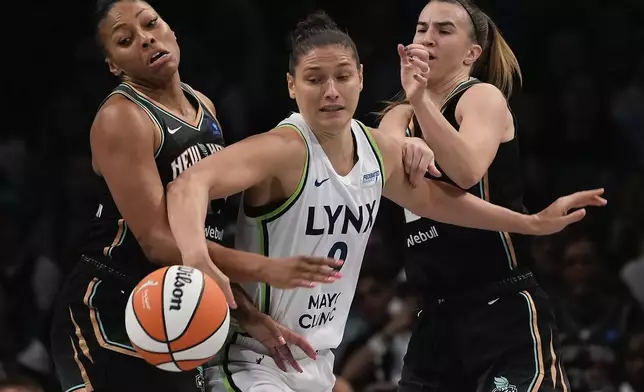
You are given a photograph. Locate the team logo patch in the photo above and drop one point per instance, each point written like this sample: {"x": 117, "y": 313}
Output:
{"x": 370, "y": 178}
{"x": 503, "y": 385}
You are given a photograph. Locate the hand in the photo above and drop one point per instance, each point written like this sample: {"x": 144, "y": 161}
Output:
{"x": 300, "y": 271}
{"x": 555, "y": 218}
{"x": 276, "y": 338}
{"x": 414, "y": 69}
{"x": 205, "y": 265}
{"x": 418, "y": 159}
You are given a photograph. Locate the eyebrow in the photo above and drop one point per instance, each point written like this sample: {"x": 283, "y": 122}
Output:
{"x": 446, "y": 23}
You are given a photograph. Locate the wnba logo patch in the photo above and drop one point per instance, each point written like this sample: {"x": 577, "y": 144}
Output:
{"x": 370, "y": 178}
{"x": 503, "y": 385}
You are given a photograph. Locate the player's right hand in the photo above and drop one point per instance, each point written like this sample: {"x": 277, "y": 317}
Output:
{"x": 300, "y": 271}
{"x": 205, "y": 265}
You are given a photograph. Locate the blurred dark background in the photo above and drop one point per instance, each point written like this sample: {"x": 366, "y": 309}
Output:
{"x": 581, "y": 125}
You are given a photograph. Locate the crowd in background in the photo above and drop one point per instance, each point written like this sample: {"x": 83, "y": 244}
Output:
{"x": 581, "y": 125}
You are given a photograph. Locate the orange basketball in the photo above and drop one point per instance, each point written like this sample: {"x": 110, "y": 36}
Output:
{"x": 177, "y": 318}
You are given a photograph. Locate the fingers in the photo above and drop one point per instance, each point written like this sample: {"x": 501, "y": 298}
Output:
{"x": 420, "y": 65}
{"x": 585, "y": 198}
{"x": 403, "y": 54}
{"x": 408, "y": 158}
{"x": 420, "y": 164}
{"x": 420, "y": 53}
{"x": 230, "y": 298}
{"x": 286, "y": 353}
{"x": 433, "y": 170}
{"x": 277, "y": 358}
{"x": 303, "y": 344}
{"x": 575, "y": 216}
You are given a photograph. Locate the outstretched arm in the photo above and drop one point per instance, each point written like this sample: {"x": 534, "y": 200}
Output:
{"x": 449, "y": 204}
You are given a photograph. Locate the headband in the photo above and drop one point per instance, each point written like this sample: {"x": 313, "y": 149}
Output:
{"x": 476, "y": 31}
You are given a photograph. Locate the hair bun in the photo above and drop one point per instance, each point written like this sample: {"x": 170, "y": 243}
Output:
{"x": 315, "y": 22}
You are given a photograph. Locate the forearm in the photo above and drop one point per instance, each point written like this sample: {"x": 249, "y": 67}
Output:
{"x": 454, "y": 206}
{"x": 239, "y": 266}
{"x": 246, "y": 309}
{"x": 187, "y": 203}
{"x": 450, "y": 150}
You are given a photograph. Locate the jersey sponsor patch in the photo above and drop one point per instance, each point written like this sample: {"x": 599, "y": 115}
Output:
{"x": 371, "y": 178}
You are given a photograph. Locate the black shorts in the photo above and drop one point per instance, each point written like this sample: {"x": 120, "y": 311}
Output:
{"x": 500, "y": 343}
{"x": 90, "y": 346}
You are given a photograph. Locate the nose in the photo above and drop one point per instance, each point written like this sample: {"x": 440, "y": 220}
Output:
{"x": 148, "y": 40}
{"x": 330, "y": 91}
{"x": 427, "y": 39}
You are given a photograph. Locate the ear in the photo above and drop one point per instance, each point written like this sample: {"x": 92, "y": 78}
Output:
{"x": 290, "y": 81}
{"x": 473, "y": 54}
{"x": 361, "y": 75}
{"x": 116, "y": 71}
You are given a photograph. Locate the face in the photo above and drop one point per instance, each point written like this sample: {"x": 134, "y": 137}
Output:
{"x": 326, "y": 87}
{"x": 140, "y": 45}
{"x": 445, "y": 30}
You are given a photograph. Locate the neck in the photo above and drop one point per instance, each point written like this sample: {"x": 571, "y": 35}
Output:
{"x": 339, "y": 148}
{"x": 439, "y": 91}
{"x": 169, "y": 94}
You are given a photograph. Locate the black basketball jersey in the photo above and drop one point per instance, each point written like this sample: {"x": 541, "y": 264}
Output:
{"x": 443, "y": 258}
{"x": 183, "y": 144}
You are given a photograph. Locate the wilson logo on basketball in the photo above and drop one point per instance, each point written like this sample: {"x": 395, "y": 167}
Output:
{"x": 182, "y": 278}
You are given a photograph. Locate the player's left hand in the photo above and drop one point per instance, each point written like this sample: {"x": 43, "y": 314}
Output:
{"x": 277, "y": 338}
{"x": 414, "y": 69}
{"x": 556, "y": 217}
{"x": 418, "y": 159}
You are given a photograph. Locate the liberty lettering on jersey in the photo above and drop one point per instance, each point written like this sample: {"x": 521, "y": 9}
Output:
{"x": 322, "y": 308}
{"x": 182, "y": 278}
{"x": 191, "y": 156}
{"x": 338, "y": 219}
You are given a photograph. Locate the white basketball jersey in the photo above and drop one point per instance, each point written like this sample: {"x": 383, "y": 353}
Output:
{"x": 328, "y": 215}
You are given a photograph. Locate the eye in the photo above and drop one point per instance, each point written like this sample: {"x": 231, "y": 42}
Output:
{"x": 343, "y": 78}
{"x": 153, "y": 22}
{"x": 421, "y": 30}
{"x": 443, "y": 32}
{"x": 124, "y": 41}
{"x": 313, "y": 80}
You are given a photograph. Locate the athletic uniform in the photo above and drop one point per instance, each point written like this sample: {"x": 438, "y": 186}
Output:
{"x": 328, "y": 215}
{"x": 89, "y": 342}
{"x": 485, "y": 324}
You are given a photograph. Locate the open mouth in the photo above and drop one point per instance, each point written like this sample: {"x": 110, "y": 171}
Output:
{"x": 331, "y": 108}
{"x": 432, "y": 57}
{"x": 158, "y": 55}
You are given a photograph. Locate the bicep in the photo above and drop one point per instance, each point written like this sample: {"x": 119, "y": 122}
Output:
{"x": 123, "y": 150}
{"x": 242, "y": 165}
{"x": 396, "y": 121}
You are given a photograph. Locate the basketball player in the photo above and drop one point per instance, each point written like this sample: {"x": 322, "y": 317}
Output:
{"x": 313, "y": 185}
{"x": 485, "y": 324}
{"x": 150, "y": 129}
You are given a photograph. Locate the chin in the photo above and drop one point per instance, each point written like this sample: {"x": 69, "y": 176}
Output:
{"x": 338, "y": 120}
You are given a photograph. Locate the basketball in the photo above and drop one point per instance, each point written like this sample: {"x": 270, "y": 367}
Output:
{"x": 177, "y": 318}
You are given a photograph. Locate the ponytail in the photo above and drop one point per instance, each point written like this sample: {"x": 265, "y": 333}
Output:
{"x": 498, "y": 64}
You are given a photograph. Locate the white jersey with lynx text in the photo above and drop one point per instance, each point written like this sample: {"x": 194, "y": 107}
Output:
{"x": 328, "y": 215}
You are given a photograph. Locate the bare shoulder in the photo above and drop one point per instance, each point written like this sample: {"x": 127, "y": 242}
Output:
{"x": 397, "y": 119}
{"x": 287, "y": 140}
{"x": 120, "y": 121}
{"x": 483, "y": 95}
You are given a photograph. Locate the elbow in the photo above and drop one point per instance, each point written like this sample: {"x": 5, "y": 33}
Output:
{"x": 467, "y": 178}
{"x": 159, "y": 248}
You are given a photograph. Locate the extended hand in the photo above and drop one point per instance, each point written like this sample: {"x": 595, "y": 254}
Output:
{"x": 556, "y": 217}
